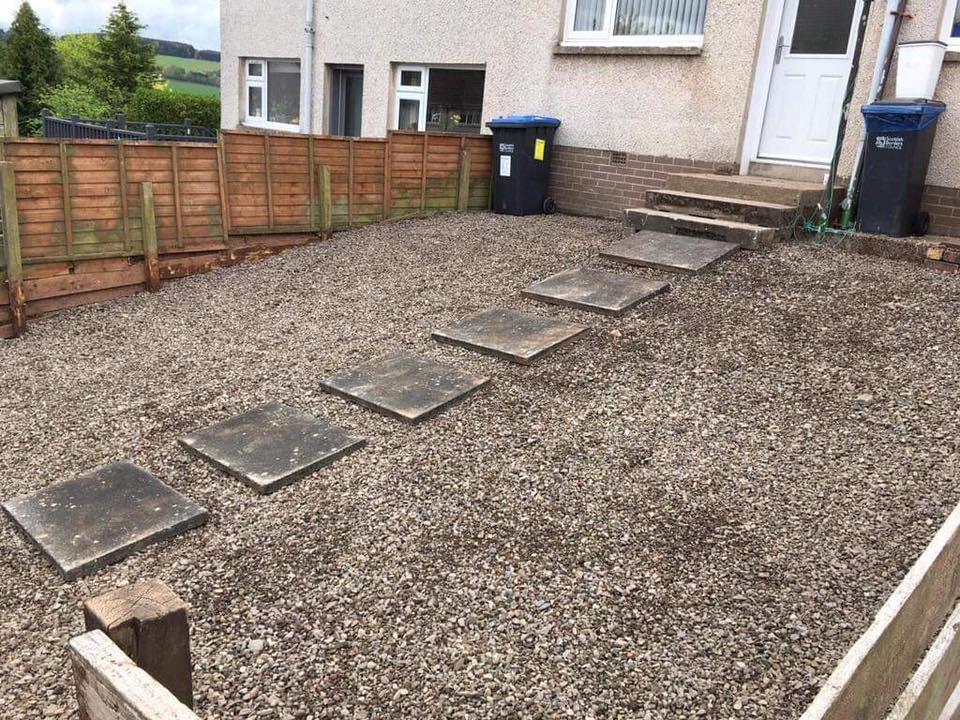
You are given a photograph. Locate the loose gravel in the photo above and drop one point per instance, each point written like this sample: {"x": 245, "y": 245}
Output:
{"x": 692, "y": 511}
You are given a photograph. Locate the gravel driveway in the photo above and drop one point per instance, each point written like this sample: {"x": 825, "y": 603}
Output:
{"x": 695, "y": 516}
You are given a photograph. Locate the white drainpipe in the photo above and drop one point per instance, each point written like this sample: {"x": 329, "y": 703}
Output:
{"x": 306, "y": 120}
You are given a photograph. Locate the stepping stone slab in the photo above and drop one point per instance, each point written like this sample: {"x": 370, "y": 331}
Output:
{"x": 663, "y": 251}
{"x": 271, "y": 446}
{"x": 595, "y": 291}
{"x": 509, "y": 335}
{"x": 404, "y": 386}
{"x": 102, "y": 516}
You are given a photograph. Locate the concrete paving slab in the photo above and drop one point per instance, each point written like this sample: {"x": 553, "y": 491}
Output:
{"x": 595, "y": 291}
{"x": 509, "y": 335}
{"x": 405, "y": 386}
{"x": 665, "y": 251}
{"x": 271, "y": 446}
{"x": 102, "y": 516}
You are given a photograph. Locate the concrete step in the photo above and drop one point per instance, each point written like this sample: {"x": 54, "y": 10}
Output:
{"x": 665, "y": 251}
{"x": 746, "y": 235}
{"x": 753, "y": 212}
{"x": 749, "y": 187}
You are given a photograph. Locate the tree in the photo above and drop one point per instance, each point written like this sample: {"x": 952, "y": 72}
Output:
{"x": 85, "y": 85}
{"x": 124, "y": 60}
{"x": 31, "y": 58}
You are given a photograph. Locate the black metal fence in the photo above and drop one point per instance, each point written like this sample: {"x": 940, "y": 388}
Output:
{"x": 119, "y": 128}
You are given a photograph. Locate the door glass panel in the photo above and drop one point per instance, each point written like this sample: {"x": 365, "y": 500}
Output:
{"x": 409, "y": 115}
{"x": 589, "y": 15}
{"x": 255, "y": 102}
{"x": 823, "y": 27}
{"x": 955, "y": 32}
{"x": 353, "y": 104}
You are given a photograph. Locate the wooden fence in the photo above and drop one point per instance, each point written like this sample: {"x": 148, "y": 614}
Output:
{"x": 80, "y": 235}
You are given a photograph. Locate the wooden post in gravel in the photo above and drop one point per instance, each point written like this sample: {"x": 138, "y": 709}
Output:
{"x": 325, "y": 206}
{"x": 151, "y": 259}
{"x": 11, "y": 245}
{"x": 148, "y": 622}
{"x": 463, "y": 183}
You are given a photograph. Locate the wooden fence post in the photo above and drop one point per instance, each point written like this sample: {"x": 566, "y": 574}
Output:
{"x": 324, "y": 219}
{"x": 148, "y": 622}
{"x": 463, "y": 182}
{"x": 11, "y": 244}
{"x": 148, "y": 229}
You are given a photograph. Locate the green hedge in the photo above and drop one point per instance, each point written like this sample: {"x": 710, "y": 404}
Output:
{"x": 165, "y": 106}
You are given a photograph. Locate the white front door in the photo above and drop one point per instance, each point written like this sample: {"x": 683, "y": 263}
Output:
{"x": 812, "y": 64}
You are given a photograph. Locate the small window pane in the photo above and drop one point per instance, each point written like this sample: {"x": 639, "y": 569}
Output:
{"x": 255, "y": 69}
{"x": 956, "y": 23}
{"x": 255, "y": 102}
{"x": 283, "y": 92}
{"x": 650, "y": 17}
{"x": 409, "y": 115}
{"x": 411, "y": 78}
{"x": 823, "y": 27}
{"x": 589, "y": 15}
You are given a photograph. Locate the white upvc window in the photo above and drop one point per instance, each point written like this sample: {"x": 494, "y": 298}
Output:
{"x": 634, "y": 23}
{"x": 410, "y": 107}
{"x": 950, "y": 32}
{"x": 272, "y": 94}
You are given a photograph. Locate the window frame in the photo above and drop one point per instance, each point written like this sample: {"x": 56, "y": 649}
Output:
{"x": 262, "y": 82}
{"x": 606, "y": 38}
{"x": 946, "y": 25}
{"x": 410, "y": 92}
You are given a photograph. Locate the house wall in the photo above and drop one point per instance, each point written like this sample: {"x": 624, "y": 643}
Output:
{"x": 663, "y": 111}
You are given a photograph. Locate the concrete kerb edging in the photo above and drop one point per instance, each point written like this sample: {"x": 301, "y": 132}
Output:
{"x": 871, "y": 675}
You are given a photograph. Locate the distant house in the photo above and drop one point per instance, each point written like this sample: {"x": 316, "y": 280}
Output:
{"x": 643, "y": 88}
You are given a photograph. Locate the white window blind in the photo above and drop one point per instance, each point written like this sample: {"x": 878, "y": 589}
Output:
{"x": 589, "y": 16}
{"x": 660, "y": 17}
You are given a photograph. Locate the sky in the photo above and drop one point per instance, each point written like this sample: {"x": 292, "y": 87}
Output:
{"x": 192, "y": 21}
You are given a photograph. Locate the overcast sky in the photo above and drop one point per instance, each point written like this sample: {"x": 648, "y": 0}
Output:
{"x": 193, "y": 21}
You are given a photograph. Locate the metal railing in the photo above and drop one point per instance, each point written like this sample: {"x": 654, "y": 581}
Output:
{"x": 119, "y": 128}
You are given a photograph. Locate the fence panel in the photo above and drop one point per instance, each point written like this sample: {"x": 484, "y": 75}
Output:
{"x": 81, "y": 221}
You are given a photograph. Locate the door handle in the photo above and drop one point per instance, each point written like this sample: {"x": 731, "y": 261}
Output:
{"x": 780, "y": 46}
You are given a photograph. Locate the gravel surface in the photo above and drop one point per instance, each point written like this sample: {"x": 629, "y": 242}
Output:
{"x": 692, "y": 511}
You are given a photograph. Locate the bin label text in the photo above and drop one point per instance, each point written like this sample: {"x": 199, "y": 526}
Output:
{"x": 888, "y": 142}
{"x": 506, "y": 148}
{"x": 505, "y": 165}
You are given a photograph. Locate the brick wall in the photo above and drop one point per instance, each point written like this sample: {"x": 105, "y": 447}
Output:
{"x": 603, "y": 183}
{"x": 943, "y": 204}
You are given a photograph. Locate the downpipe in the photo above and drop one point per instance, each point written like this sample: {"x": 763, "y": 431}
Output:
{"x": 310, "y": 32}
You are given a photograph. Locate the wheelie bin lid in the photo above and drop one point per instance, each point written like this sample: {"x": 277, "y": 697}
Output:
{"x": 901, "y": 115}
{"x": 523, "y": 121}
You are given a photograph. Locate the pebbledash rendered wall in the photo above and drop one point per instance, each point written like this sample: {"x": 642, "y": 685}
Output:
{"x": 665, "y": 112}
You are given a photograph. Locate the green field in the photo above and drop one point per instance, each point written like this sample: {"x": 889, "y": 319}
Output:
{"x": 194, "y": 88}
{"x": 187, "y": 63}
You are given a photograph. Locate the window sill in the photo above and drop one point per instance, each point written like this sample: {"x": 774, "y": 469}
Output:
{"x": 627, "y": 50}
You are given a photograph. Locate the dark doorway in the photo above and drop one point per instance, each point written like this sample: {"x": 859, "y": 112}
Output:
{"x": 346, "y": 100}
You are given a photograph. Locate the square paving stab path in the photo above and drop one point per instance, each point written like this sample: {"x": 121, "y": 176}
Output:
{"x": 663, "y": 251}
{"x": 404, "y": 386}
{"x": 509, "y": 335}
{"x": 271, "y": 446}
{"x": 102, "y": 516}
{"x": 595, "y": 291}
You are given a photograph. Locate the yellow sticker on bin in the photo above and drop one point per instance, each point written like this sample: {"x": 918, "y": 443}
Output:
{"x": 540, "y": 150}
